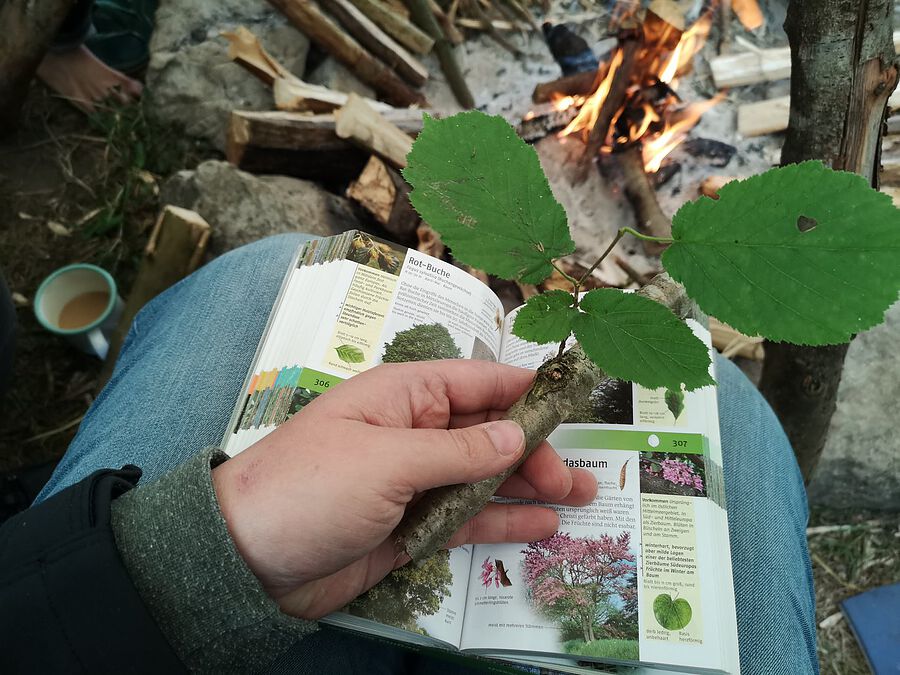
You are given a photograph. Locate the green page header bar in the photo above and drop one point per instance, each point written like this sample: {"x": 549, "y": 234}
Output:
{"x": 316, "y": 381}
{"x": 640, "y": 441}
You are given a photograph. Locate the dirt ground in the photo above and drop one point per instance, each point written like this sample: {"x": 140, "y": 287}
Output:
{"x": 74, "y": 189}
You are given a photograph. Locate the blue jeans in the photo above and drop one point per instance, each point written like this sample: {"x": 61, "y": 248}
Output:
{"x": 183, "y": 364}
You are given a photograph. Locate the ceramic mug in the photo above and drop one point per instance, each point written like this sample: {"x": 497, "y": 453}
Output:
{"x": 80, "y": 303}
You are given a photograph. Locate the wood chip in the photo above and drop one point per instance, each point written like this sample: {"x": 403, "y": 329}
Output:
{"x": 58, "y": 229}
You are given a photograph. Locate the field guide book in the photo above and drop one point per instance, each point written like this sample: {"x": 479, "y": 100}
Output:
{"x": 640, "y": 580}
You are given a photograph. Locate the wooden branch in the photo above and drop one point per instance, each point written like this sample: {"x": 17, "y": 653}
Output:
{"x": 301, "y": 145}
{"x": 368, "y": 129}
{"x": 579, "y": 84}
{"x": 760, "y": 65}
{"x": 395, "y": 25}
{"x": 484, "y": 23}
{"x": 446, "y": 20}
{"x": 308, "y": 18}
{"x": 175, "y": 249}
{"x": 650, "y": 217}
{"x": 425, "y": 18}
{"x": 382, "y": 192}
{"x": 27, "y": 28}
{"x": 630, "y": 43}
{"x": 377, "y": 41}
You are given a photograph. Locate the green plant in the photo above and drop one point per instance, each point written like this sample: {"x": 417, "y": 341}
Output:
{"x": 798, "y": 254}
{"x": 422, "y": 342}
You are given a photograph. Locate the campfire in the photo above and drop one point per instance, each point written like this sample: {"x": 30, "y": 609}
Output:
{"x": 632, "y": 109}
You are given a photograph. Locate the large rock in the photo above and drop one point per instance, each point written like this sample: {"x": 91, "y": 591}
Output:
{"x": 242, "y": 207}
{"x": 192, "y": 84}
{"x": 860, "y": 467}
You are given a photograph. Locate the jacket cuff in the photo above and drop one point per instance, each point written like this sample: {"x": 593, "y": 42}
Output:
{"x": 175, "y": 544}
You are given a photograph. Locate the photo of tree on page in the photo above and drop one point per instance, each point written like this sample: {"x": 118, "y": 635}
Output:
{"x": 407, "y": 594}
{"x": 422, "y": 342}
{"x": 668, "y": 473}
{"x": 376, "y": 253}
{"x": 588, "y": 585}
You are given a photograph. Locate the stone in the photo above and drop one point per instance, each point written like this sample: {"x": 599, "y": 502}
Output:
{"x": 192, "y": 84}
{"x": 860, "y": 466}
{"x": 242, "y": 208}
{"x": 334, "y": 75}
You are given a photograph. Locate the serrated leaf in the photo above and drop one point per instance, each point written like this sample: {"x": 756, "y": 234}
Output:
{"x": 745, "y": 260}
{"x": 634, "y": 338}
{"x": 482, "y": 188}
{"x": 546, "y": 317}
{"x": 350, "y": 354}
{"x": 674, "y": 399}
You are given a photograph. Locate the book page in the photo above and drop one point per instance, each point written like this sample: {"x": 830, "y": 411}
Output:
{"x": 350, "y": 303}
{"x": 657, "y": 530}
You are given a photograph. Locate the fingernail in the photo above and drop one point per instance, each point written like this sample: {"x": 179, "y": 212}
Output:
{"x": 507, "y": 437}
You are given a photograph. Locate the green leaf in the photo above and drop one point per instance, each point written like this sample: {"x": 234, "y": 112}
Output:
{"x": 546, "y": 317}
{"x": 671, "y": 614}
{"x": 675, "y": 401}
{"x": 350, "y": 354}
{"x": 634, "y": 338}
{"x": 745, "y": 260}
{"x": 482, "y": 188}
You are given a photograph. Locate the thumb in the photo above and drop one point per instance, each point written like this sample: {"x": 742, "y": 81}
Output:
{"x": 434, "y": 457}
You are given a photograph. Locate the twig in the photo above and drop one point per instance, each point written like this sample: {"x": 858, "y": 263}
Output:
{"x": 425, "y": 18}
{"x": 58, "y": 430}
{"x": 825, "y": 566}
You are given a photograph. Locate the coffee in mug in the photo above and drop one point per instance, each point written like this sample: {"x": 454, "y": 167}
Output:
{"x": 80, "y": 303}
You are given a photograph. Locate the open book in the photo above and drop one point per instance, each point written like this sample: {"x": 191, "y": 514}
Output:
{"x": 641, "y": 577}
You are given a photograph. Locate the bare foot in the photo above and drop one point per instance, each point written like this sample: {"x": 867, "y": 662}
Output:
{"x": 85, "y": 80}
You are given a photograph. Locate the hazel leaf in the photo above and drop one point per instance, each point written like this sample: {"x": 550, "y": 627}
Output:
{"x": 546, "y": 317}
{"x": 636, "y": 339}
{"x": 482, "y": 188}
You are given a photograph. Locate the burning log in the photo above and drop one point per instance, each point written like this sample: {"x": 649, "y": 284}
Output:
{"x": 305, "y": 146}
{"x": 309, "y": 19}
{"x": 383, "y": 193}
{"x": 544, "y": 120}
{"x": 579, "y": 84}
{"x": 377, "y": 41}
{"x": 650, "y": 217}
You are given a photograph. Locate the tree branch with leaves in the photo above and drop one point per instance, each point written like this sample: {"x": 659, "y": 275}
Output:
{"x": 749, "y": 258}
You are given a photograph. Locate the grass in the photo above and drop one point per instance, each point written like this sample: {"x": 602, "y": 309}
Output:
{"x": 607, "y": 649}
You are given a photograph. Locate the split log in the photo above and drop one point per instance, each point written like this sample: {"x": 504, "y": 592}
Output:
{"x": 732, "y": 343}
{"x": 579, "y": 84}
{"x": 758, "y": 65}
{"x": 382, "y": 45}
{"x": 27, "y": 28}
{"x": 710, "y": 186}
{"x": 368, "y": 129}
{"x": 293, "y": 95}
{"x": 423, "y": 15}
{"x": 305, "y": 146}
{"x": 175, "y": 249}
{"x": 429, "y": 241}
{"x": 328, "y": 36}
{"x": 395, "y": 25}
{"x": 771, "y": 116}
{"x": 650, "y": 217}
{"x": 382, "y": 192}
{"x": 749, "y": 13}
{"x": 245, "y": 49}
{"x": 843, "y": 72}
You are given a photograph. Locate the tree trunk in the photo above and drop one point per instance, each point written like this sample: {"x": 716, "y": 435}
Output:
{"x": 591, "y": 631}
{"x": 27, "y": 29}
{"x": 843, "y": 69}
{"x": 585, "y": 627}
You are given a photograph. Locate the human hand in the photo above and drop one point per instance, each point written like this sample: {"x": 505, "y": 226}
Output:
{"x": 312, "y": 506}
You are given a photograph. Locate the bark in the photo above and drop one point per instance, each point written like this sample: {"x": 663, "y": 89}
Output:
{"x": 27, "y": 29}
{"x": 558, "y": 387}
{"x": 843, "y": 70}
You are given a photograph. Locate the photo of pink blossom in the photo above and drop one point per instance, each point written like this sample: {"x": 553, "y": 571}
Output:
{"x": 672, "y": 474}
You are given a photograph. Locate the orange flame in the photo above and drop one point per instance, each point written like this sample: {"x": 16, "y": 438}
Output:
{"x": 656, "y": 149}
{"x": 587, "y": 116}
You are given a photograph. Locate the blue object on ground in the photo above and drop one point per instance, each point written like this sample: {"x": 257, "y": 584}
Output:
{"x": 875, "y": 621}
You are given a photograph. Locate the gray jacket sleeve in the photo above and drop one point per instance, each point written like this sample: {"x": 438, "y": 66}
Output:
{"x": 175, "y": 544}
